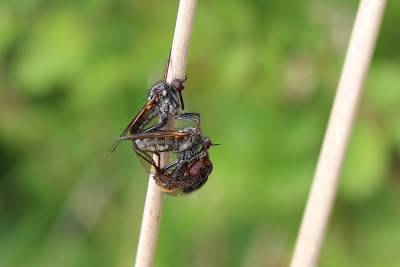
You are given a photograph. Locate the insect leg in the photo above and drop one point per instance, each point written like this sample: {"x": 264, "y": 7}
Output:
{"x": 190, "y": 117}
{"x": 169, "y": 166}
{"x": 159, "y": 158}
{"x": 158, "y": 126}
{"x": 167, "y": 66}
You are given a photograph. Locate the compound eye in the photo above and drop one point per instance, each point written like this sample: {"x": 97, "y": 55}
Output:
{"x": 178, "y": 85}
{"x": 201, "y": 169}
{"x": 207, "y": 143}
{"x": 194, "y": 170}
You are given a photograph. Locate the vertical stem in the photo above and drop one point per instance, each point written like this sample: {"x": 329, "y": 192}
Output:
{"x": 155, "y": 197}
{"x": 323, "y": 191}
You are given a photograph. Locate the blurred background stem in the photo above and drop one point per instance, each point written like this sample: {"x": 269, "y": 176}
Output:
{"x": 340, "y": 126}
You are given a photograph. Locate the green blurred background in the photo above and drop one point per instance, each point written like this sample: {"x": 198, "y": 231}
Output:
{"x": 263, "y": 76}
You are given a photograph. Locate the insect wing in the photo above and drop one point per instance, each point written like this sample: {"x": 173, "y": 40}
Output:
{"x": 155, "y": 134}
{"x": 148, "y": 105}
{"x": 147, "y": 162}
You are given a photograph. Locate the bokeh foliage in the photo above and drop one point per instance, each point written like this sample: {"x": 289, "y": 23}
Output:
{"x": 262, "y": 74}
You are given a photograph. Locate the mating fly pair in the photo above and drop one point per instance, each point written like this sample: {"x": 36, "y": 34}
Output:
{"x": 191, "y": 169}
{"x": 192, "y": 166}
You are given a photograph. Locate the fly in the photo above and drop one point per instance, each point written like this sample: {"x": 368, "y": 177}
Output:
{"x": 192, "y": 167}
{"x": 162, "y": 99}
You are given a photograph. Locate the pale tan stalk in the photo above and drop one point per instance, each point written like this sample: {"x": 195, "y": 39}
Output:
{"x": 326, "y": 179}
{"x": 155, "y": 197}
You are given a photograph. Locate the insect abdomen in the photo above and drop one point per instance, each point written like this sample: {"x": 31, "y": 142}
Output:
{"x": 164, "y": 144}
{"x": 149, "y": 115}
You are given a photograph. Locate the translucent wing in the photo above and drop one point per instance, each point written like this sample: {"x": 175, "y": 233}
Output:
{"x": 148, "y": 105}
{"x": 155, "y": 134}
{"x": 147, "y": 162}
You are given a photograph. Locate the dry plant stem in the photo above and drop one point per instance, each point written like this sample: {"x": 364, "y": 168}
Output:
{"x": 324, "y": 188}
{"x": 154, "y": 200}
